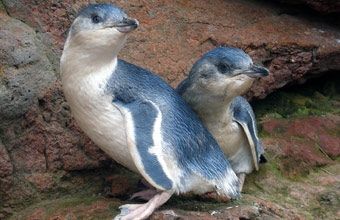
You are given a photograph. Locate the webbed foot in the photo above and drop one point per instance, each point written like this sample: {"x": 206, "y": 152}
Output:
{"x": 145, "y": 195}
{"x": 143, "y": 211}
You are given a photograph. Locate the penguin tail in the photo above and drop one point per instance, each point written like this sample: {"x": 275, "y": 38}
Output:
{"x": 263, "y": 159}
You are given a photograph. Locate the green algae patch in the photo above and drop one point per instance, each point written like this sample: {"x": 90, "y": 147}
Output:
{"x": 285, "y": 104}
{"x": 269, "y": 174}
{"x": 193, "y": 203}
{"x": 313, "y": 196}
{"x": 326, "y": 196}
{"x": 315, "y": 97}
{"x": 2, "y": 9}
{"x": 72, "y": 207}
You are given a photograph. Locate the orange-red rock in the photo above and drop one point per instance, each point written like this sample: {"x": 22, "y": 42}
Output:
{"x": 170, "y": 39}
{"x": 304, "y": 143}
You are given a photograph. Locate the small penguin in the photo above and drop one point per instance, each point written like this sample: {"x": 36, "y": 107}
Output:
{"x": 136, "y": 117}
{"x": 213, "y": 90}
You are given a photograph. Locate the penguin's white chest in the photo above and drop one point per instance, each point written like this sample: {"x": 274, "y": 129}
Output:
{"x": 234, "y": 143}
{"x": 93, "y": 110}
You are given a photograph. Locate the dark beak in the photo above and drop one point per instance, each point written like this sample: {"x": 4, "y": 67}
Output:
{"x": 257, "y": 71}
{"x": 127, "y": 25}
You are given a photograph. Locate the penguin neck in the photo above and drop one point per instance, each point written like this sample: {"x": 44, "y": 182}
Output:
{"x": 81, "y": 61}
{"x": 214, "y": 112}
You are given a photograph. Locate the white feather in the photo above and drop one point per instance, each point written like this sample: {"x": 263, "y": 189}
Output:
{"x": 160, "y": 149}
{"x": 233, "y": 140}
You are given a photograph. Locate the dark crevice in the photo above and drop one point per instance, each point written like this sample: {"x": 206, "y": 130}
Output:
{"x": 319, "y": 82}
{"x": 2, "y": 5}
{"x": 210, "y": 41}
{"x": 304, "y": 11}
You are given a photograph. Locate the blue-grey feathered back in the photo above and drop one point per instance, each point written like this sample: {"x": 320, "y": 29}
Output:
{"x": 196, "y": 149}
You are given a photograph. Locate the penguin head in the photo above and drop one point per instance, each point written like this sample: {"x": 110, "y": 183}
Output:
{"x": 224, "y": 72}
{"x": 101, "y": 27}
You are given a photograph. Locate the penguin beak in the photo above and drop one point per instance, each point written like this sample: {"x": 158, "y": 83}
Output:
{"x": 127, "y": 25}
{"x": 256, "y": 71}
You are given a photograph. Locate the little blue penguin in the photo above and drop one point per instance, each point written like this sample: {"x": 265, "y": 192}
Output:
{"x": 213, "y": 90}
{"x": 135, "y": 116}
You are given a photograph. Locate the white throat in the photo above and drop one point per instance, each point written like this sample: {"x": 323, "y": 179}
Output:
{"x": 86, "y": 67}
{"x": 89, "y": 51}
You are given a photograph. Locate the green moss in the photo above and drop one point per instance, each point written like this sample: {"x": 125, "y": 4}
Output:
{"x": 76, "y": 205}
{"x": 193, "y": 203}
{"x": 2, "y": 8}
{"x": 317, "y": 97}
{"x": 326, "y": 202}
{"x": 268, "y": 184}
{"x": 272, "y": 115}
{"x": 63, "y": 203}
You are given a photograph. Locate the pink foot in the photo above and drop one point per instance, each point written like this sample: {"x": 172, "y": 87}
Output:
{"x": 145, "y": 195}
{"x": 142, "y": 211}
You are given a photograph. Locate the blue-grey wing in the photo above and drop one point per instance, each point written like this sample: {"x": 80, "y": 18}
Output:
{"x": 155, "y": 116}
{"x": 141, "y": 120}
{"x": 244, "y": 115}
{"x": 194, "y": 153}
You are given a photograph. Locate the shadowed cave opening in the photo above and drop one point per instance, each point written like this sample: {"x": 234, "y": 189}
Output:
{"x": 299, "y": 8}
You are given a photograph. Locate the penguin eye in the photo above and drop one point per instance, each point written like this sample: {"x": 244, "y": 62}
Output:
{"x": 222, "y": 67}
{"x": 96, "y": 19}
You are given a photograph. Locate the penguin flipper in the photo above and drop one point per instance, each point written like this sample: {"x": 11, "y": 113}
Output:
{"x": 142, "y": 121}
{"x": 244, "y": 115}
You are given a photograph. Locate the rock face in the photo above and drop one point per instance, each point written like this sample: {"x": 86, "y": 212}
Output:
{"x": 317, "y": 147}
{"x": 6, "y": 171}
{"x": 24, "y": 68}
{"x": 291, "y": 46}
{"x": 42, "y": 151}
{"x": 47, "y": 146}
{"x": 5, "y": 162}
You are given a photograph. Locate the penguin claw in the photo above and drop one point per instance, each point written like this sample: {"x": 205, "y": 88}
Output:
{"x": 143, "y": 211}
{"x": 145, "y": 195}
{"x": 126, "y": 209}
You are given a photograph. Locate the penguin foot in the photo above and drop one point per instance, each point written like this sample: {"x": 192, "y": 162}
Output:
{"x": 143, "y": 211}
{"x": 145, "y": 195}
{"x": 241, "y": 177}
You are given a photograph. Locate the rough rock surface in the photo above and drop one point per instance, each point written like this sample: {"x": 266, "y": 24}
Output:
{"x": 24, "y": 68}
{"x": 43, "y": 154}
{"x": 6, "y": 168}
{"x": 304, "y": 143}
{"x": 291, "y": 46}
